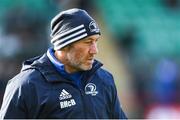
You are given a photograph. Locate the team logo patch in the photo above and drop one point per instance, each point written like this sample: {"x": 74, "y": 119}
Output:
{"x": 64, "y": 95}
{"x": 93, "y": 27}
{"x": 90, "y": 88}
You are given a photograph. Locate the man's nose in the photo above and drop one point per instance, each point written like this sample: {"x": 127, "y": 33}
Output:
{"x": 93, "y": 48}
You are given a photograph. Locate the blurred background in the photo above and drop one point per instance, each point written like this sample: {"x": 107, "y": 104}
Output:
{"x": 140, "y": 45}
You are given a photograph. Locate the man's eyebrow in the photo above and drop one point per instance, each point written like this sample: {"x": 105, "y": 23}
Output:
{"x": 88, "y": 39}
{"x": 91, "y": 39}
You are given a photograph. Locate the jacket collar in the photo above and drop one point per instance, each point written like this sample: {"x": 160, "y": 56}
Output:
{"x": 47, "y": 69}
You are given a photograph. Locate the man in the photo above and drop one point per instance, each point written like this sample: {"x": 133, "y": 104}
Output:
{"x": 66, "y": 82}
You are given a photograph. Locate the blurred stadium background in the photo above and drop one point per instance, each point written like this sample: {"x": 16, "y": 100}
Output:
{"x": 140, "y": 45}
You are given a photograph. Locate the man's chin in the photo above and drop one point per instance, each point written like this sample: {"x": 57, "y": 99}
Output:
{"x": 86, "y": 67}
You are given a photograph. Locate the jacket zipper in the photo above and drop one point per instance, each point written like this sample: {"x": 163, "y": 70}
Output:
{"x": 86, "y": 80}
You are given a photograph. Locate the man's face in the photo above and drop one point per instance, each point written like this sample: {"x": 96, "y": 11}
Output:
{"x": 80, "y": 55}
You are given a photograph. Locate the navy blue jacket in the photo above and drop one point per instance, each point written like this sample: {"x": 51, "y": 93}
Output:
{"x": 39, "y": 91}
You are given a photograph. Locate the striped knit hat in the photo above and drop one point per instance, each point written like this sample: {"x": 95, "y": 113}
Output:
{"x": 70, "y": 26}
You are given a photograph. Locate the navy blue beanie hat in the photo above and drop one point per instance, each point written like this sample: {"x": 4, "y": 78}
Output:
{"x": 70, "y": 26}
